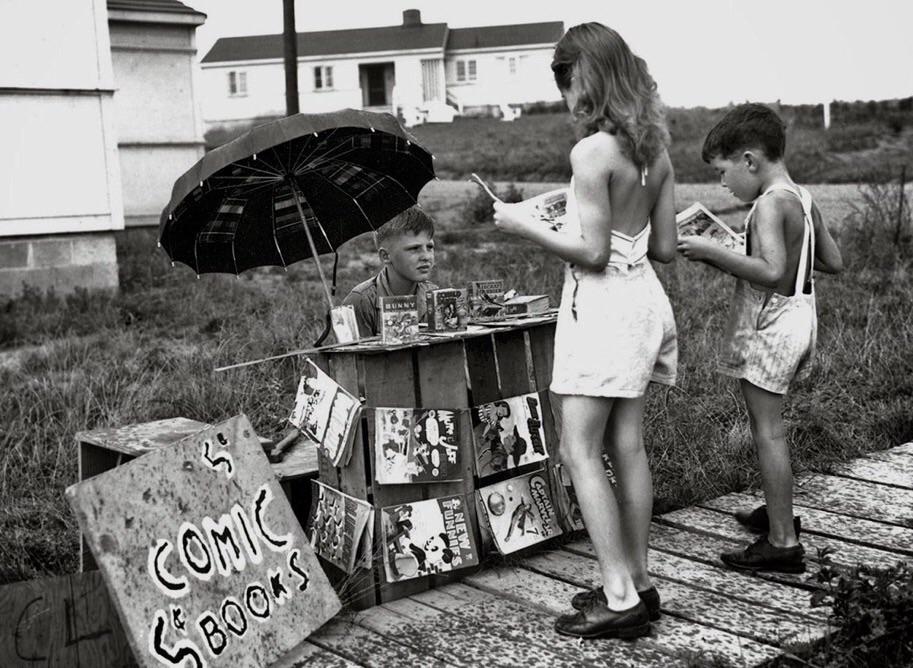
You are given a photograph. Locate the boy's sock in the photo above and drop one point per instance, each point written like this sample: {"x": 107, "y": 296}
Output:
{"x": 762, "y": 556}
{"x": 758, "y": 521}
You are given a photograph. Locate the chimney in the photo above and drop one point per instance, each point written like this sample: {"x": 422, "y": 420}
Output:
{"x": 411, "y": 18}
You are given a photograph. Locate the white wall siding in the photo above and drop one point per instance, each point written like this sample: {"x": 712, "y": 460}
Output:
{"x": 494, "y": 83}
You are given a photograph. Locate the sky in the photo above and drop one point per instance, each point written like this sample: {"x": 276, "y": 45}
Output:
{"x": 701, "y": 52}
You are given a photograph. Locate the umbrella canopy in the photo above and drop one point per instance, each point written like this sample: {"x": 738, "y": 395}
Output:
{"x": 292, "y": 189}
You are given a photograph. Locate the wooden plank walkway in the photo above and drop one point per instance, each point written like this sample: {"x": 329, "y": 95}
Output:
{"x": 503, "y": 616}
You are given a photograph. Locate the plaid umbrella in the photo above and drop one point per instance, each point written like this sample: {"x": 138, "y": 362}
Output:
{"x": 291, "y": 189}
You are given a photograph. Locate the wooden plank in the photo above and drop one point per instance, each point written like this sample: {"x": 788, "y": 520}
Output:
{"x": 814, "y": 521}
{"x": 367, "y": 648}
{"x": 722, "y": 524}
{"x": 773, "y": 627}
{"x": 389, "y": 381}
{"x": 507, "y": 633}
{"x": 93, "y": 460}
{"x": 718, "y": 579}
{"x": 481, "y": 370}
{"x": 514, "y": 373}
{"x": 857, "y": 498}
{"x": 678, "y": 638}
{"x": 137, "y": 439}
{"x": 310, "y": 655}
{"x": 881, "y": 471}
{"x": 900, "y": 458}
{"x": 906, "y": 448}
{"x": 61, "y": 621}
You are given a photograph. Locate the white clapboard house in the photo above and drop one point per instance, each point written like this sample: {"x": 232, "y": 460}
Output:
{"x": 423, "y": 71}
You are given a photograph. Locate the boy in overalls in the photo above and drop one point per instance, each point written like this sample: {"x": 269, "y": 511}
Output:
{"x": 772, "y": 331}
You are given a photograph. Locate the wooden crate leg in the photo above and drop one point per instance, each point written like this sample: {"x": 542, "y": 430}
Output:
{"x": 92, "y": 461}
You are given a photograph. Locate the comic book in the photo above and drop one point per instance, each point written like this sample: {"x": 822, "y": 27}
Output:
{"x": 485, "y": 299}
{"x": 398, "y": 319}
{"x": 447, "y": 310}
{"x": 424, "y": 538}
{"x": 525, "y": 305}
{"x": 337, "y": 527}
{"x": 416, "y": 445}
{"x": 519, "y": 511}
{"x": 566, "y": 501}
{"x": 326, "y": 413}
{"x": 508, "y": 433}
{"x": 698, "y": 220}
{"x": 345, "y": 326}
{"x": 549, "y": 207}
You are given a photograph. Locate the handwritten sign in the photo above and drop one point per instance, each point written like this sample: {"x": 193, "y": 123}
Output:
{"x": 202, "y": 553}
{"x": 62, "y": 621}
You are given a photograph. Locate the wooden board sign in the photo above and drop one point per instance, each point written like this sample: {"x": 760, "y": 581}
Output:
{"x": 62, "y": 621}
{"x": 202, "y": 553}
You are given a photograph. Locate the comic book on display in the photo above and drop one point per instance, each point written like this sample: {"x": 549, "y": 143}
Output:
{"x": 345, "y": 326}
{"x": 566, "y": 496}
{"x": 698, "y": 220}
{"x": 416, "y": 445}
{"x": 398, "y": 319}
{"x": 424, "y": 538}
{"x": 447, "y": 310}
{"x": 485, "y": 299}
{"x": 525, "y": 305}
{"x": 519, "y": 511}
{"x": 508, "y": 433}
{"x": 326, "y": 413}
{"x": 340, "y": 528}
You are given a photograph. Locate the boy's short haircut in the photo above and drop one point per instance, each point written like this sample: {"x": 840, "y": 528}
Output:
{"x": 745, "y": 127}
{"x": 411, "y": 221}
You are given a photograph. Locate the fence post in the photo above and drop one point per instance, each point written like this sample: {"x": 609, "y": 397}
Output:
{"x": 900, "y": 202}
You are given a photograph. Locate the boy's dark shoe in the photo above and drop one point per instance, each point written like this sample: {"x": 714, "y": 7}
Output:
{"x": 650, "y": 598}
{"x": 598, "y": 621}
{"x": 758, "y": 521}
{"x": 762, "y": 556}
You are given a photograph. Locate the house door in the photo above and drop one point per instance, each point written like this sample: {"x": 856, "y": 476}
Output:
{"x": 431, "y": 79}
{"x": 374, "y": 84}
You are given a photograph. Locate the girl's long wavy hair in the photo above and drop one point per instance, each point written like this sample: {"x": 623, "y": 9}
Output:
{"x": 618, "y": 94}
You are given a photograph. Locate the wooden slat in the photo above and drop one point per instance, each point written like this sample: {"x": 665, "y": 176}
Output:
{"x": 137, "y": 439}
{"x": 367, "y": 648}
{"x": 724, "y": 525}
{"x": 773, "y": 627}
{"x": 881, "y": 471}
{"x": 309, "y": 655}
{"x": 716, "y": 578}
{"x": 850, "y": 529}
{"x": 481, "y": 370}
{"x": 676, "y": 637}
{"x": 894, "y": 455}
{"x": 906, "y": 448}
{"x": 513, "y": 363}
{"x": 857, "y": 498}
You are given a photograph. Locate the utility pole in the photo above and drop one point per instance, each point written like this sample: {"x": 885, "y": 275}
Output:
{"x": 290, "y": 38}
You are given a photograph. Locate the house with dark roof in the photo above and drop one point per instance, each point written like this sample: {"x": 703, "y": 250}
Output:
{"x": 422, "y": 71}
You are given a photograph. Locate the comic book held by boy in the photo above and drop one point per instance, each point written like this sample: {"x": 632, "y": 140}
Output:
{"x": 508, "y": 434}
{"x": 519, "y": 511}
{"x": 447, "y": 310}
{"x": 337, "y": 527}
{"x": 698, "y": 220}
{"x": 416, "y": 445}
{"x": 424, "y": 538}
{"x": 398, "y": 319}
{"x": 326, "y": 413}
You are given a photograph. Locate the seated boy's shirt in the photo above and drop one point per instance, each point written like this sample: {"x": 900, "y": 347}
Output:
{"x": 364, "y": 299}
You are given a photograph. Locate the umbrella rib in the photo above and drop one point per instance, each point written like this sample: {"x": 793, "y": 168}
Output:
{"x": 317, "y": 220}
{"x": 270, "y": 173}
{"x": 354, "y": 199}
{"x": 382, "y": 175}
{"x": 311, "y": 154}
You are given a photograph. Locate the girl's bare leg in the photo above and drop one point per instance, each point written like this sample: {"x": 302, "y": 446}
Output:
{"x": 634, "y": 491}
{"x": 584, "y": 422}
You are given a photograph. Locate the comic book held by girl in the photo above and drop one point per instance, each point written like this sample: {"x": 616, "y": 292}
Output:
{"x": 519, "y": 511}
{"x": 508, "y": 434}
{"x": 424, "y": 538}
{"x": 416, "y": 445}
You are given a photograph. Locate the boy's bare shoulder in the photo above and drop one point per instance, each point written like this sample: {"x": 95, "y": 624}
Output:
{"x": 780, "y": 205}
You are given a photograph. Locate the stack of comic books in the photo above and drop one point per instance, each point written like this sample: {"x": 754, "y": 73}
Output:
{"x": 519, "y": 511}
{"x": 416, "y": 445}
{"x": 447, "y": 310}
{"x": 326, "y": 413}
{"x": 398, "y": 317}
{"x": 508, "y": 434}
{"x": 424, "y": 538}
{"x": 525, "y": 305}
{"x": 341, "y": 528}
{"x": 698, "y": 220}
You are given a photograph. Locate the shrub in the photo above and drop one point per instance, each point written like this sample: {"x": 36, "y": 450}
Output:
{"x": 478, "y": 209}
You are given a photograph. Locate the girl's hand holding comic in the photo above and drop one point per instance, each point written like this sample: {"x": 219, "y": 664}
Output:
{"x": 697, "y": 249}
{"x": 511, "y": 218}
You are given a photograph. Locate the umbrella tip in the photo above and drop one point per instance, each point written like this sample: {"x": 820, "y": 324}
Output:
{"x": 255, "y": 156}
{"x": 315, "y": 134}
{"x": 373, "y": 130}
{"x": 158, "y": 244}
{"x": 172, "y": 264}
{"x": 198, "y": 277}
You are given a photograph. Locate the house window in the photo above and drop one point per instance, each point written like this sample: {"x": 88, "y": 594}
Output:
{"x": 323, "y": 77}
{"x": 512, "y": 65}
{"x": 237, "y": 84}
{"x": 466, "y": 70}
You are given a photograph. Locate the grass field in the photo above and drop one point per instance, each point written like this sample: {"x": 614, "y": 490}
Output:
{"x": 149, "y": 353}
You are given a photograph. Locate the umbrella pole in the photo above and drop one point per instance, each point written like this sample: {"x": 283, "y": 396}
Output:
{"x": 323, "y": 280}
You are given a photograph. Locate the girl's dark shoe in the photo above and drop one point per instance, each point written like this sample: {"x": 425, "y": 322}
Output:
{"x": 758, "y": 521}
{"x": 762, "y": 556}
{"x": 650, "y": 598}
{"x": 598, "y": 621}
